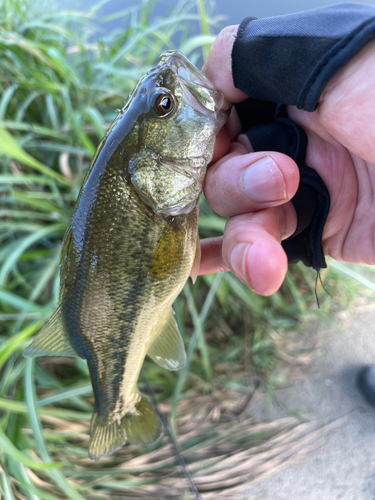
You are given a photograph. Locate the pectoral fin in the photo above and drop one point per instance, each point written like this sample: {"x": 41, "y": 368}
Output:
{"x": 168, "y": 350}
{"x": 51, "y": 340}
{"x": 197, "y": 261}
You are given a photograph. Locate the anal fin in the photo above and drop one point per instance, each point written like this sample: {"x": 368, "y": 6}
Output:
{"x": 168, "y": 350}
{"x": 51, "y": 340}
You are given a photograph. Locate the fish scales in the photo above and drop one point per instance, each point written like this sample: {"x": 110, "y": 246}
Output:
{"x": 131, "y": 245}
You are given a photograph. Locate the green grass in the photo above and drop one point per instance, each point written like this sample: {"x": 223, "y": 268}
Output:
{"x": 59, "y": 90}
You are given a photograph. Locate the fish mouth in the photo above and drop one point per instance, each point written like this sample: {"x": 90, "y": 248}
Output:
{"x": 198, "y": 91}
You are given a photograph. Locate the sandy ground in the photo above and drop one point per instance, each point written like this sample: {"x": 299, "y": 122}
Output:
{"x": 344, "y": 468}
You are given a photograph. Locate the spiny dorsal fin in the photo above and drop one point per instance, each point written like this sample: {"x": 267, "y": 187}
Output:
{"x": 109, "y": 434}
{"x": 168, "y": 349}
{"x": 197, "y": 261}
{"x": 51, "y": 340}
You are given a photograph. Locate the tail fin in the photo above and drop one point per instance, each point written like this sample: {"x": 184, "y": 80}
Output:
{"x": 142, "y": 428}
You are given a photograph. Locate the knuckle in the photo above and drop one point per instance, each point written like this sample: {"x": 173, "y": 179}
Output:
{"x": 217, "y": 206}
{"x": 227, "y": 35}
{"x": 222, "y": 44}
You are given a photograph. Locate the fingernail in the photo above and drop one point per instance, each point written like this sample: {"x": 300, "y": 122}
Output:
{"x": 237, "y": 261}
{"x": 263, "y": 181}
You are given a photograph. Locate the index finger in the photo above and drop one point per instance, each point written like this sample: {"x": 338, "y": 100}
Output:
{"x": 218, "y": 67}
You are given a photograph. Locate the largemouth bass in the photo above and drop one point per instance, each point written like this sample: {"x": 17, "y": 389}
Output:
{"x": 131, "y": 245}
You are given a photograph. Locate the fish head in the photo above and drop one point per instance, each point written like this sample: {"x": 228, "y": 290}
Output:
{"x": 180, "y": 113}
{"x": 187, "y": 101}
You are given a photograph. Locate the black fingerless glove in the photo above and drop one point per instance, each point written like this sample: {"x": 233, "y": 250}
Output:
{"x": 289, "y": 60}
{"x": 272, "y": 130}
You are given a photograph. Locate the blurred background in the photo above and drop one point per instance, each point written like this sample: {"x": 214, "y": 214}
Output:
{"x": 232, "y": 12}
{"x": 64, "y": 69}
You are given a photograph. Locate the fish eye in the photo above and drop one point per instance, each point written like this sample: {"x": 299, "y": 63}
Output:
{"x": 164, "y": 104}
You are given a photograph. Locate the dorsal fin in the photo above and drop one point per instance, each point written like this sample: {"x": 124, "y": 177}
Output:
{"x": 168, "y": 349}
{"x": 51, "y": 340}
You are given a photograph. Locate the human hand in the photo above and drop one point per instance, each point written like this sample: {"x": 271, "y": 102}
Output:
{"x": 340, "y": 149}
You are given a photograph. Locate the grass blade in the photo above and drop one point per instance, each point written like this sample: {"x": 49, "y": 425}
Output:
{"x": 8, "y": 447}
{"x": 205, "y": 27}
{"x": 6, "y": 487}
{"x": 23, "y": 244}
{"x": 345, "y": 269}
{"x": 55, "y": 475}
{"x": 8, "y": 347}
{"x": 10, "y": 148}
{"x": 202, "y": 346}
{"x": 20, "y": 303}
{"x": 193, "y": 341}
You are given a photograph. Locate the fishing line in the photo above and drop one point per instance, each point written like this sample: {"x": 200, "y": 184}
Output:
{"x": 172, "y": 441}
{"x": 319, "y": 278}
{"x": 324, "y": 288}
{"x": 315, "y": 289}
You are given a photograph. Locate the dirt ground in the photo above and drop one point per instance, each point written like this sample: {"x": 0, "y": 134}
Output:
{"x": 344, "y": 468}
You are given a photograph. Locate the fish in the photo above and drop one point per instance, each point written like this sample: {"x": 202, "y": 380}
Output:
{"x": 131, "y": 245}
